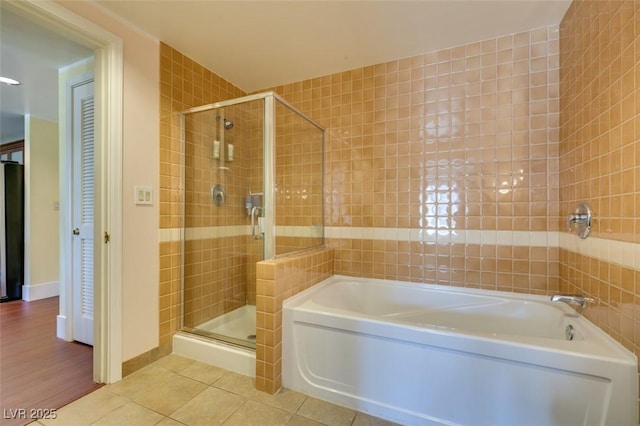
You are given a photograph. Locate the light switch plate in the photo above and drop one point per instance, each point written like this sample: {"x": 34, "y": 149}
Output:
{"x": 143, "y": 195}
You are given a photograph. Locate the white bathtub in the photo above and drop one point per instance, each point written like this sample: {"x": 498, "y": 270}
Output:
{"x": 423, "y": 354}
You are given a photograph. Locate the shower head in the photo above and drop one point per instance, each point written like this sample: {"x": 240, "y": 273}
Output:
{"x": 228, "y": 124}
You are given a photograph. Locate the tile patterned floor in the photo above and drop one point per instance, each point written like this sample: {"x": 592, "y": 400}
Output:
{"x": 179, "y": 391}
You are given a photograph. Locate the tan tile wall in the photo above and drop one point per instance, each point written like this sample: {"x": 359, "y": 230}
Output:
{"x": 169, "y": 289}
{"x": 279, "y": 279}
{"x": 613, "y": 286}
{"x": 600, "y": 98}
{"x": 600, "y": 153}
{"x": 459, "y": 139}
{"x": 506, "y": 268}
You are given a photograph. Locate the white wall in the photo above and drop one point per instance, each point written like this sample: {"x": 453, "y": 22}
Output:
{"x": 42, "y": 209}
{"x": 140, "y": 261}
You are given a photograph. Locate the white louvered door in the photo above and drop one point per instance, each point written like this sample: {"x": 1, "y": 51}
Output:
{"x": 83, "y": 200}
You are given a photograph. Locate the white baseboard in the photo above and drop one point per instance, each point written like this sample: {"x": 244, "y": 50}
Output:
{"x": 40, "y": 291}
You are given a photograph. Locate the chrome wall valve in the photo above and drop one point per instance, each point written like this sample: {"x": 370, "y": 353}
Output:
{"x": 579, "y": 222}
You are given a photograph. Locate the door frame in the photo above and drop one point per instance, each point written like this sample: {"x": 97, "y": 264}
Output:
{"x": 108, "y": 72}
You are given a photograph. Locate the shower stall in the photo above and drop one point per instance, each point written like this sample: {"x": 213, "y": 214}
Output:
{"x": 253, "y": 190}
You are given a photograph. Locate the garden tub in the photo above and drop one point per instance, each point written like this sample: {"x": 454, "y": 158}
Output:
{"x": 424, "y": 354}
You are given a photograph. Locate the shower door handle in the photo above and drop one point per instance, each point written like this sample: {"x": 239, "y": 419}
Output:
{"x": 256, "y": 212}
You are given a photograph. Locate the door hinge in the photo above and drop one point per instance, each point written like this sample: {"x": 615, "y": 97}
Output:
{"x": 107, "y": 237}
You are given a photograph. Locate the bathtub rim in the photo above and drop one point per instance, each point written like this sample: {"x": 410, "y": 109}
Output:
{"x": 591, "y": 347}
{"x": 436, "y": 287}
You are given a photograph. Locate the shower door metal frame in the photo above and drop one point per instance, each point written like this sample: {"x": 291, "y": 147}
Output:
{"x": 269, "y": 149}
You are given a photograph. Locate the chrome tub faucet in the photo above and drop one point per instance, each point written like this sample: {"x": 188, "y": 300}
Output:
{"x": 573, "y": 299}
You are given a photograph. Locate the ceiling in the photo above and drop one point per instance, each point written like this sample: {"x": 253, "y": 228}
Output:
{"x": 31, "y": 55}
{"x": 261, "y": 44}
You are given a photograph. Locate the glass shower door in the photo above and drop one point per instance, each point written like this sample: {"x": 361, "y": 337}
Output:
{"x": 223, "y": 190}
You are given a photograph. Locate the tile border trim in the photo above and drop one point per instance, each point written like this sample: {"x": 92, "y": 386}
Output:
{"x": 613, "y": 251}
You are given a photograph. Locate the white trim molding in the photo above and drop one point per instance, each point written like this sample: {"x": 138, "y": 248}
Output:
{"x": 61, "y": 324}
{"x": 108, "y": 48}
{"x": 40, "y": 291}
{"x": 456, "y": 236}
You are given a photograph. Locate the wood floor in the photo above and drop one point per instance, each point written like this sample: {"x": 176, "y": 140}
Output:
{"x": 38, "y": 371}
